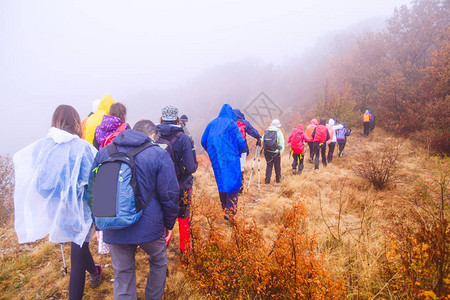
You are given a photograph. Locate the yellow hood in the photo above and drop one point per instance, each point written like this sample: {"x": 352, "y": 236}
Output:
{"x": 94, "y": 120}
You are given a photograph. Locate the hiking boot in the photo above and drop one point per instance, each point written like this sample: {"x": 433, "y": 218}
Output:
{"x": 294, "y": 171}
{"x": 226, "y": 216}
{"x": 96, "y": 279}
{"x": 299, "y": 172}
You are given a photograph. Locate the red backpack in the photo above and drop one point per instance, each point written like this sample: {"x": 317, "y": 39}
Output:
{"x": 241, "y": 126}
{"x": 111, "y": 137}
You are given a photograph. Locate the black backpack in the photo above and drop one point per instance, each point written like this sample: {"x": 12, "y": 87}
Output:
{"x": 270, "y": 140}
{"x": 115, "y": 203}
{"x": 168, "y": 146}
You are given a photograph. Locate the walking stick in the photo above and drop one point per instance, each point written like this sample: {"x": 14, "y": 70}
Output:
{"x": 63, "y": 258}
{"x": 259, "y": 170}
{"x": 253, "y": 165}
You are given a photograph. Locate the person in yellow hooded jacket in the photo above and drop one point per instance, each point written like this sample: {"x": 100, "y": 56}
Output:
{"x": 95, "y": 119}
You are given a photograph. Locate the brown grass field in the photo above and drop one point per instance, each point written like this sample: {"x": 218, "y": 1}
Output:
{"x": 347, "y": 216}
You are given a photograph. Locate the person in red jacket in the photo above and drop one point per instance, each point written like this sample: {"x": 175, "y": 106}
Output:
{"x": 309, "y": 130}
{"x": 320, "y": 136}
{"x": 296, "y": 139}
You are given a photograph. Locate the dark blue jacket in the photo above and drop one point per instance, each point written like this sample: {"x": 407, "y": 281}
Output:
{"x": 184, "y": 153}
{"x": 224, "y": 143}
{"x": 249, "y": 129}
{"x": 154, "y": 172}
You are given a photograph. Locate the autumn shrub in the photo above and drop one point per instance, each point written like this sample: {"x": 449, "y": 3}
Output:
{"x": 418, "y": 260}
{"x": 378, "y": 165}
{"x": 6, "y": 188}
{"x": 234, "y": 261}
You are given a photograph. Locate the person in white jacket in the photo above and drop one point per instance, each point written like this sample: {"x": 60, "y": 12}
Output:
{"x": 332, "y": 141}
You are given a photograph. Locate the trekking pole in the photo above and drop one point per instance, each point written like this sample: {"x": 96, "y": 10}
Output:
{"x": 63, "y": 258}
{"x": 253, "y": 165}
{"x": 259, "y": 171}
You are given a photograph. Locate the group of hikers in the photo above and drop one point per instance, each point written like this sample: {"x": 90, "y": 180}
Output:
{"x": 130, "y": 184}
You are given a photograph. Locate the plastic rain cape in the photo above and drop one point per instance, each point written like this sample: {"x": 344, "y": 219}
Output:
{"x": 50, "y": 179}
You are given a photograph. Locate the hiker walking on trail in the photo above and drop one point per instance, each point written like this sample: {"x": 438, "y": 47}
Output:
{"x": 372, "y": 121}
{"x": 112, "y": 122}
{"x": 245, "y": 128}
{"x": 332, "y": 142}
{"x": 96, "y": 118}
{"x": 183, "y": 122}
{"x": 224, "y": 143}
{"x": 50, "y": 198}
{"x": 182, "y": 152}
{"x": 367, "y": 117}
{"x": 145, "y": 210}
{"x": 320, "y": 137}
{"x": 297, "y": 139}
{"x": 341, "y": 137}
{"x": 309, "y": 130}
{"x": 273, "y": 143}
{"x": 95, "y": 104}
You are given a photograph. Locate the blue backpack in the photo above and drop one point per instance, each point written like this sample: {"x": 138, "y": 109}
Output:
{"x": 340, "y": 134}
{"x": 115, "y": 203}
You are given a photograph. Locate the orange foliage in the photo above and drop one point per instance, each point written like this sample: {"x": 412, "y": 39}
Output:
{"x": 234, "y": 261}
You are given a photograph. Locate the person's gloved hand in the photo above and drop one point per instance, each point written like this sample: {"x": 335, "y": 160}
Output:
{"x": 258, "y": 142}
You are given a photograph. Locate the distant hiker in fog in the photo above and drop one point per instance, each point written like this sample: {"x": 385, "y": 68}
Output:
{"x": 96, "y": 118}
{"x": 297, "y": 139}
{"x": 95, "y": 104}
{"x": 224, "y": 143}
{"x": 112, "y": 122}
{"x": 309, "y": 130}
{"x": 367, "y": 117}
{"x": 341, "y": 137}
{"x": 372, "y": 121}
{"x": 332, "y": 142}
{"x": 273, "y": 143}
{"x": 183, "y": 155}
{"x": 50, "y": 198}
{"x": 320, "y": 137}
{"x": 157, "y": 202}
{"x": 245, "y": 127}
{"x": 183, "y": 122}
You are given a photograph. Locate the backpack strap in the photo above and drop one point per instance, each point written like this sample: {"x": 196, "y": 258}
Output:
{"x": 140, "y": 207}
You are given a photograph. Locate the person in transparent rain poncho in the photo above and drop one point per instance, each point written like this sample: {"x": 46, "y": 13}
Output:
{"x": 49, "y": 199}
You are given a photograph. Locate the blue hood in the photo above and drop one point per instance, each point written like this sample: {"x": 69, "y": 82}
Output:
{"x": 238, "y": 114}
{"x": 131, "y": 137}
{"x": 168, "y": 128}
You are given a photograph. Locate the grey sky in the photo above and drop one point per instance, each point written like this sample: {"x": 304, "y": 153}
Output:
{"x": 72, "y": 52}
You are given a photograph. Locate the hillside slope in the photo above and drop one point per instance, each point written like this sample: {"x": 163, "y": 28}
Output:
{"x": 348, "y": 217}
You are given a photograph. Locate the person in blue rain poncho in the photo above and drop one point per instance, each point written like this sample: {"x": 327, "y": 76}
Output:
{"x": 49, "y": 199}
{"x": 224, "y": 143}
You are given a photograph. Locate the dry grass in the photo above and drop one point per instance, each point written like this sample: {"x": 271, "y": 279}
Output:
{"x": 347, "y": 216}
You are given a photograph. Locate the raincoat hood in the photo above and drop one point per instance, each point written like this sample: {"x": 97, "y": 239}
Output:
{"x": 331, "y": 122}
{"x": 323, "y": 122}
{"x": 227, "y": 112}
{"x": 105, "y": 104}
{"x": 239, "y": 115}
{"x": 60, "y": 136}
{"x": 300, "y": 128}
{"x": 367, "y": 111}
{"x": 314, "y": 122}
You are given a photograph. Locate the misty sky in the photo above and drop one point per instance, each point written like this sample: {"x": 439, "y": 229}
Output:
{"x": 72, "y": 52}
